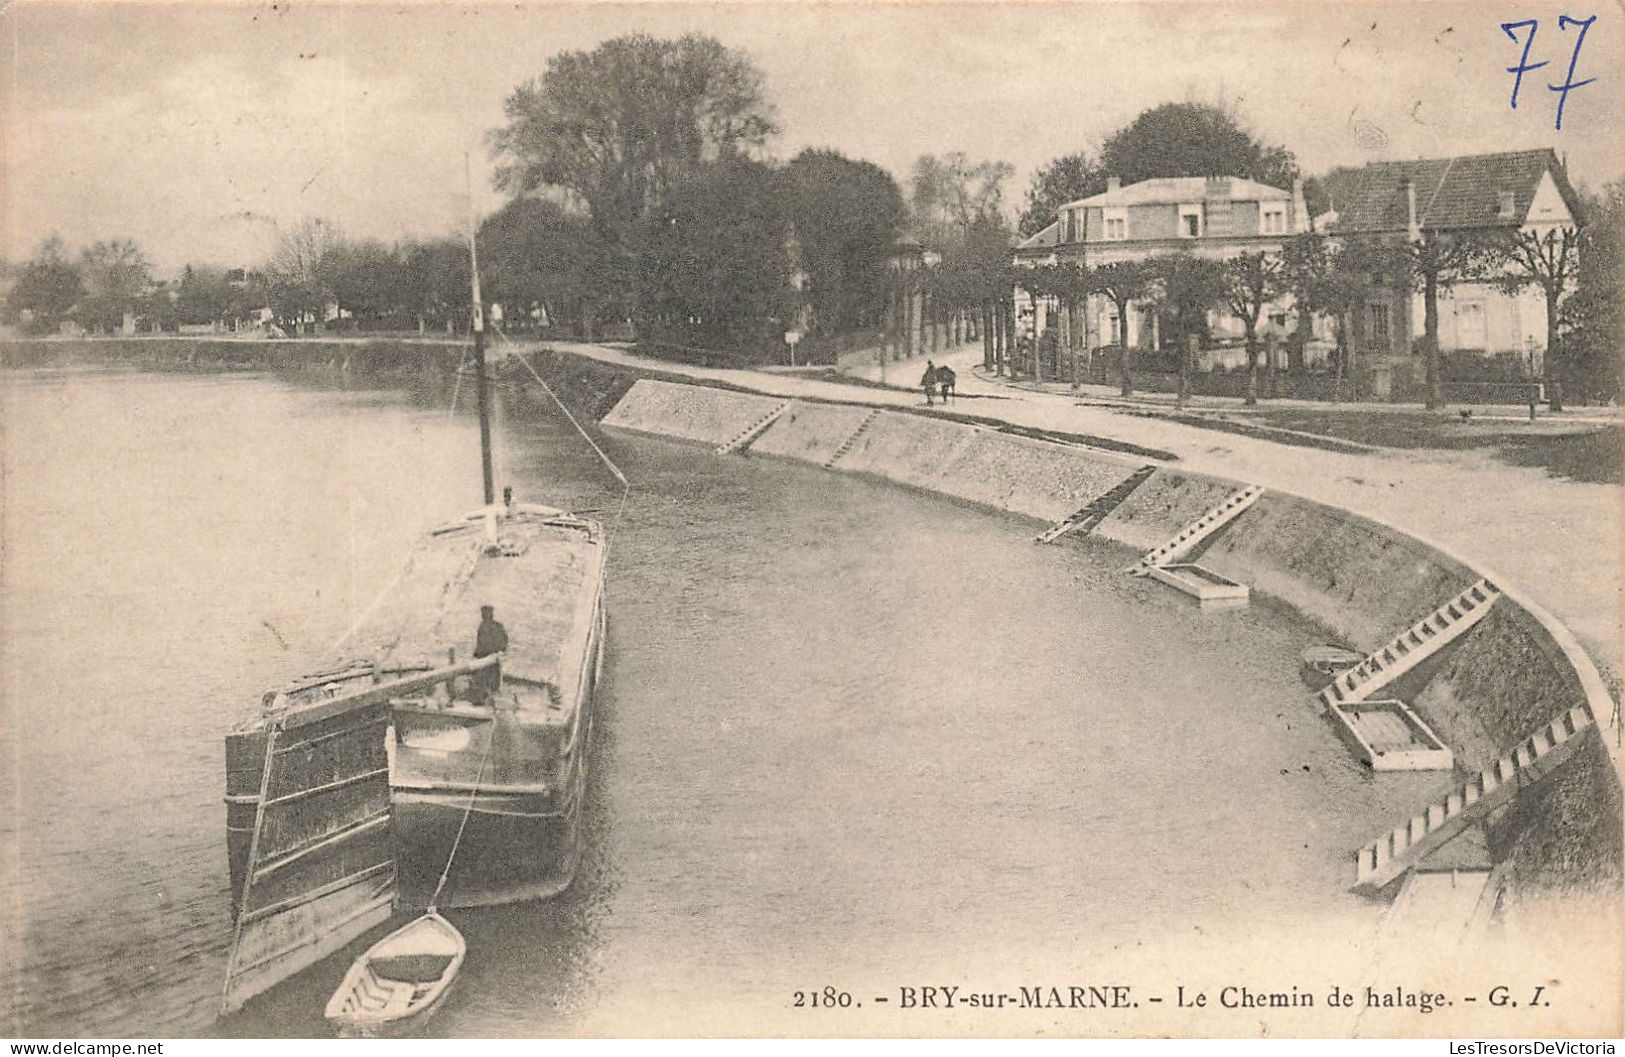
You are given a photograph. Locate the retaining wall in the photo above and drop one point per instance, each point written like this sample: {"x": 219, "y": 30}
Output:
{"x": 710, "y": 416}
{"x": 1508, "y": 676}
{"x": 810, "y": 432}
{"x": 1514, "y": 671}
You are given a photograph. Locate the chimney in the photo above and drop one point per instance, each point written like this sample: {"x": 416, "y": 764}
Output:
{"x": 1300, "y": 210}
{"x": 1413, "y": 230}
{"x": 1113, "y": 183}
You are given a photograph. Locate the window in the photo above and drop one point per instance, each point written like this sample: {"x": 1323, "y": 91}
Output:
{"x": 1190, "y": 221}
{"x": 1504, "y": 201}
{"x": 1272, "y": 221}
{"x": 1112, "y": 322}
{"x": 1377, "y": 336}
{"x": 1116, "y": 221}
{"x": 1471, "y": 329}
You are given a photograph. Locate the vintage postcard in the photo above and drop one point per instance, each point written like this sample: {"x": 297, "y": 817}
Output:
{"x": 947, "y": 519}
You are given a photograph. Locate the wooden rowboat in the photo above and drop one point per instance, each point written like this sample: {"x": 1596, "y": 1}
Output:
{"x": 1322, "y": 664}
{"x": 400, "y": 981}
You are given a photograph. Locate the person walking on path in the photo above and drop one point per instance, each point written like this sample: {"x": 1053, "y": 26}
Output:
{"x": 928, "y": 381}
{"x": 945, "y": 381}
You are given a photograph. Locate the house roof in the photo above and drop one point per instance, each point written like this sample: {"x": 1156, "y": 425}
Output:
{"x": 1175, "y": 189}
{"x": 1452, "y": 193}
{"x": 1048, "y": 236}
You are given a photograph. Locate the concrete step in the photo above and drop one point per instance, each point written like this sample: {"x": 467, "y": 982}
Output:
{"x": 1098, "y": 508}
{"x": 1537, "y": 756}
{"x": 1199, "y": 530}
{"x": 1412, "y": 646}
{"x": 851, "y": 439}
{"x": 742, "y": 439}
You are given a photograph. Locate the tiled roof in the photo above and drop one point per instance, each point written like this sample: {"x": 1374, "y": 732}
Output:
{"x": 1175, "y": 189}
{"x": 1452, "y": 193}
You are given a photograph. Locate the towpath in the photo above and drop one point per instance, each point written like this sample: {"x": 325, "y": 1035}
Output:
{"x": 1559, "y": 541}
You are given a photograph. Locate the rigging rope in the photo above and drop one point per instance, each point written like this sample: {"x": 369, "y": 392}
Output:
{"x": 451, "y": 412}
{"x": 626, "y": 486}
{"x": 468, "y": 809}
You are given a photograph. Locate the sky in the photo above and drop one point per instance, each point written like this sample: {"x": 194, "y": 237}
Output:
{"x": 203, "y": 130}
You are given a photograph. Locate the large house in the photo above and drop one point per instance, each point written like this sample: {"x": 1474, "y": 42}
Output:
{"x": 1470, "y": 195}
{"x": 1217, "y": 217}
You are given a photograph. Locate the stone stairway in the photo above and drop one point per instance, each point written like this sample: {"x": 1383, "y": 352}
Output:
{"x": 1537, "y": 756}
{"x": 852, "y": 439}
{"x": 1199, "y": 530}
{"x": 1098, "y": 508}
{"x": 1412, "y": 646}
{"x": 754, "y": 430}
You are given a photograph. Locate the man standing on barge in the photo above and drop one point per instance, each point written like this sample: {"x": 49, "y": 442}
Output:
{"x": 491, "y": 638}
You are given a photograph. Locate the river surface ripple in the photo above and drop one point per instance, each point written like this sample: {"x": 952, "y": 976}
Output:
{"x": 848, "y": 734}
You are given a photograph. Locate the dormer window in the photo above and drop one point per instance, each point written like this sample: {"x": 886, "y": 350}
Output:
{"x": 1272, "y": 220}
{"x": 1506, "y": 205}
{"x": 1116, "y": 224}
{"x": 1190, "y": 221}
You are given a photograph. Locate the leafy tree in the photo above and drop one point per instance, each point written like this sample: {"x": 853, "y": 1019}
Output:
{"x": 1547, "y": 259}
{"x": 1039, "y": 281}
{"x": 1591, "y": 314}
{"x": 1435, "y": 262}
{"x": 1186, "y": 288}
{"x": 362, "y": 278}
{"x": 624, "y": 125}
{"x": 1304, "y": 269}
{"x": 846, "y": 217}
{"x": 537, "y": 253}
{"x": 949, "y": 194}
{"x": 434, "y": 281}
{"x": 202, "y": 296}
{"x": 1065, "y": 179}
{"x": 1249, "y": 284}
{"x": 47, "y": 287}
{"x": 1193, "y": 139}
{"x": 714, "y": 267}
{"x": 1355, "y": 268}
{"x": 1332, "y": 190}
{"x": 115, "y": 275}
{"x": 1123, "y": 283}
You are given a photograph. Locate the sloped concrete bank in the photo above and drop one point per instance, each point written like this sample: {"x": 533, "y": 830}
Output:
{"x": 1511, "y": 674}
{"x": 1514, "y": 672}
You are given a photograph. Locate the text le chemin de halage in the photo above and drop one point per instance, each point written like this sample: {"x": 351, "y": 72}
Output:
{"x": 917, "y": 997}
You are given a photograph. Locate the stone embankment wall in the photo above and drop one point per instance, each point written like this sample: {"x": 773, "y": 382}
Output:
{"x": 1510, "y": 675}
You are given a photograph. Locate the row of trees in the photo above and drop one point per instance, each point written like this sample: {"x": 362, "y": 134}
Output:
{"x": 1317, "y": 276}
{"x": 98, "y": 285}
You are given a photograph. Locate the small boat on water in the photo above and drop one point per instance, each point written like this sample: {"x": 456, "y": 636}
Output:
{"x": 399, "y": 982}
{"x": 1322, "y": 664}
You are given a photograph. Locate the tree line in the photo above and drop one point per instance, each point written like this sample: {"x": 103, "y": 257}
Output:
{"x": 639, "y": 196}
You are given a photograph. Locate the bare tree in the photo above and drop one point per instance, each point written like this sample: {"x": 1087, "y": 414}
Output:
{"x": 1548, "y": 260}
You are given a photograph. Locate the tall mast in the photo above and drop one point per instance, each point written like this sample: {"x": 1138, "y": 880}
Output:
{"x": 477, "y": 319}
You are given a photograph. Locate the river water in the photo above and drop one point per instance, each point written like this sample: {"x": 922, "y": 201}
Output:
{"x": 850, "y": 736}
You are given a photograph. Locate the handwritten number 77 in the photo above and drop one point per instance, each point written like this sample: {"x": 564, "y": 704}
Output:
{"x": 1524, "y": 65}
